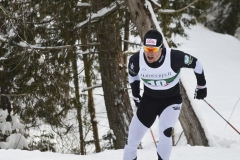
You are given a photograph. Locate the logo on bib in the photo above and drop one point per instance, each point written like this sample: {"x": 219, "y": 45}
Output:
{"x": 152, "y": 80}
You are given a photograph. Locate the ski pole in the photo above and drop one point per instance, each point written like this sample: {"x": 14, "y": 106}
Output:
{"x": 153, "y": 138}
{"x": 232, "y": 112}
{"x": 222, "y": 117}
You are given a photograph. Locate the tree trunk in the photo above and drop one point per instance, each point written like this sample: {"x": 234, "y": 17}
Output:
{"x": 77, "y": 103}
{"x": 126, "y": 31}
{"x": 118, "y": 106}
{"x": 91, "y": 106}
{"x": 140, "y": 16}
{"x": 88, "y": 60}
{"x": 126, "y": 38}
{"x": 191, "y": 126}
{"x": 189, "y": 121}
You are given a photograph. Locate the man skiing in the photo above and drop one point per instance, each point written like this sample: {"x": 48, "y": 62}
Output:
{"x": 159, "y": 69}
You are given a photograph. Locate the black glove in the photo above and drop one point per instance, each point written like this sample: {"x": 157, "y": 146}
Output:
{"x": 137, "y": 100}
{"x": 200, "y": 93}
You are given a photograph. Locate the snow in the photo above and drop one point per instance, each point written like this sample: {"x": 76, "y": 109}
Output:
{"x": 17, "y": 124}
{"x": 15, "y": 140}
{"x": 94, "y": 86}
{"x": 41, "y": 59}
{"x": 5, "y": 127}
{"x": 220, "y": 57}
{"x": 30, "y": 81}
{"x": 83, "y": 4}
{"x": 178, "y": 153}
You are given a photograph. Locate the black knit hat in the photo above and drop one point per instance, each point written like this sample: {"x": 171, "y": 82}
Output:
{"x": 153, "y": 38}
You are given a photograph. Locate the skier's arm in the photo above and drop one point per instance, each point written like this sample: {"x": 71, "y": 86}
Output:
{"x": 133, "y": 68}
{"x": 180, "y": 60}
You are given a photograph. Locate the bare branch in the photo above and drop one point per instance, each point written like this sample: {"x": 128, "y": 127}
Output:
{"x": 13, "y": 95}
{"x": 4, "y": 10}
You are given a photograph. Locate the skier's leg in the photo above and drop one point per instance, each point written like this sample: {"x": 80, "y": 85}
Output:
{"x": 136, "y": 132}
{"x": 167, "y": 121}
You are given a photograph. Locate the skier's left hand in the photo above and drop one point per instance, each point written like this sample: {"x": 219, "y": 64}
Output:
{"x": 200, "y": 92}
{"x": 137, "y": 100}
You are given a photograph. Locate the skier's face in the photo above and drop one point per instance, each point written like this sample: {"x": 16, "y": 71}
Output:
{"x": 152, "y": 53}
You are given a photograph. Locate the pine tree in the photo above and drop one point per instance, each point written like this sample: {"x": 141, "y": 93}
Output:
{"x": 225, "y": 17}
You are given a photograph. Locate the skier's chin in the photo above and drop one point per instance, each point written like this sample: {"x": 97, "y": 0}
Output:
{"x": 150, "y": 59}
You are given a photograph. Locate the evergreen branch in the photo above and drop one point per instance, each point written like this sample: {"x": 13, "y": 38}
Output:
{"x": 11, "y": 17}
{"x": 25, "y": 44}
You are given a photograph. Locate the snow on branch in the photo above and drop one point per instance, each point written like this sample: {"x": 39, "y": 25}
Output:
{"x": 101, "y": 13}
{"x": 2, "y": 38}
{"x": 24, "y": 44}
{"x": 92, "y": 18}
{"x": 132, "y": 43}
{"x": 170, "y": 11}
{"x": 80, "y": 4}
{"x": 92, "y": 87}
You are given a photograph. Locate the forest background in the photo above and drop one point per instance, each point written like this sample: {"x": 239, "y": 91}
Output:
{"x": 53, "y": 53}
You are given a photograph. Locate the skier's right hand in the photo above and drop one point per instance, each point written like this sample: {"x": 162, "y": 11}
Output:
{"x": 137, "y": 100}
{"x": 200, "y": 92}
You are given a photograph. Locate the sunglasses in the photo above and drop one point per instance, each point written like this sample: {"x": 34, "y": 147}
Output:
{"x": 151, "y": 49}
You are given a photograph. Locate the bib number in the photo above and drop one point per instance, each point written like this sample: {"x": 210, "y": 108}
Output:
{"x": 157, "y": 83}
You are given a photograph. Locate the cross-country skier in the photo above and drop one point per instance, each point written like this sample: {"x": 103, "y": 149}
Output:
{"x": 159, "y": 69}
